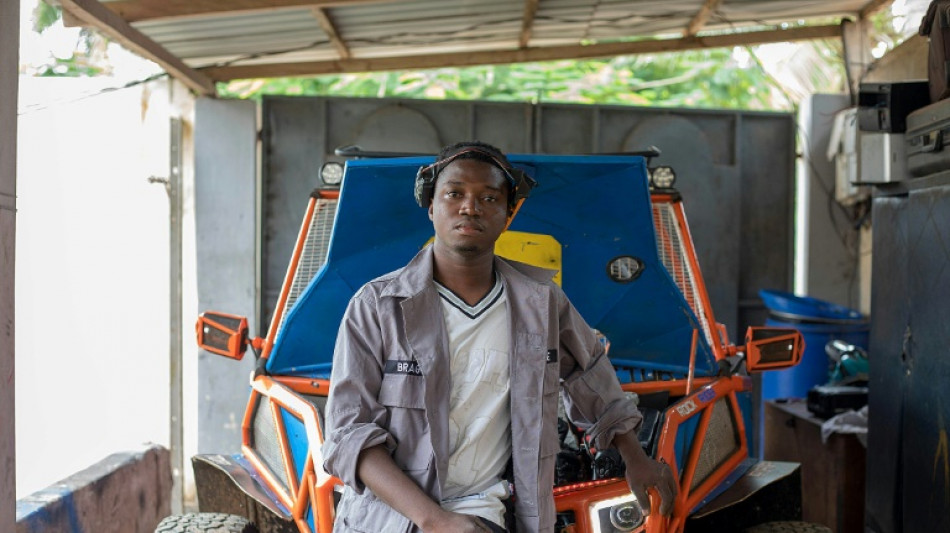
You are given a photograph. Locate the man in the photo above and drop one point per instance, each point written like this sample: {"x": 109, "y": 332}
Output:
{"x": 447, "y": 371}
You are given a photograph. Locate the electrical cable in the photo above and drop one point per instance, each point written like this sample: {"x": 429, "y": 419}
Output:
{"x": 41, "y": 107}
{"x": 850, "y": 245}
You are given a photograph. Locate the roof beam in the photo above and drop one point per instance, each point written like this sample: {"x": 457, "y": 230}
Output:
{"x": 330, "y": 29}
{"x": 138, "y": 10}
{"x": 527, "y": 22}
{"x": 94, "y": 14}
{"x": 463, "y": 59}
{"x": 701, "y": 17}
{"x": 873, "y": 7}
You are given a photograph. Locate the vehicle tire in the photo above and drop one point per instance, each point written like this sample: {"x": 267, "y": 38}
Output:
{"x": 205, "y": 523}
{"x": 787, "y": 527}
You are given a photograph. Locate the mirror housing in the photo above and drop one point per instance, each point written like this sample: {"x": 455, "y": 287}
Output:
{"x": 770, "y": 348}
{"x": 222, "y": 334}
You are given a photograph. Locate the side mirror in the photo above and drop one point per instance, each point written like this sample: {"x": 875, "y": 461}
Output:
{"x": 768, "y": 348}
{"x": 222, "y": 334}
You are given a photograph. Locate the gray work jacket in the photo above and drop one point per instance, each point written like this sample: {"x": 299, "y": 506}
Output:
{"x": 391, "y": 383}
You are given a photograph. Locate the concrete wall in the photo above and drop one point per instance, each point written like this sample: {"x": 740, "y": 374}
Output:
{"x": 225, "y": 209}
{"x": 92, "y": 307}
{"x": 126, "y": 492}
{"x": 9, "y": 58}
{"x": 827, "y": 244}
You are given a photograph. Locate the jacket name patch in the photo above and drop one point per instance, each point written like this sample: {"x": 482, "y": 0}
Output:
{"x": 409, "y": 368}
{"x": 551, "y": 357}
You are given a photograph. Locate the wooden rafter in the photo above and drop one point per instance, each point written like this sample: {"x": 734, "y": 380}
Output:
{"x": 330, "y": 28}
{"x": 527, "y": 22}
{"x": 873, "y": 7}
{"x": 94, "y": 14}
{"x": 701, "y": 17}
{"x": 459, "y": 59}
{"x": 137, "y": 10}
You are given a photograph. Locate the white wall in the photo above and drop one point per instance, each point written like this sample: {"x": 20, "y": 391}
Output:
{"x": 827, "y": 265}
{"x": 225, "y": 207}
{"x": 91, "y": 276}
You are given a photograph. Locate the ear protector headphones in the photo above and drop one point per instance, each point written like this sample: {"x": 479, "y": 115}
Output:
{"x": 521, "y": 183}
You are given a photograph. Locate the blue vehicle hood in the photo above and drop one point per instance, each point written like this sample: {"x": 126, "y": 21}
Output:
{"x": 596, "y": 207}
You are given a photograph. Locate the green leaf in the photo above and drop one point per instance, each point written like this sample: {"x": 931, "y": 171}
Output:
{"x": 45, "y": 15}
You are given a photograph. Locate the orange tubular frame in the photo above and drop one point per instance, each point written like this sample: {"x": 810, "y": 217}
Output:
{"x": 292, "y": 269}
{"x": 676, "y": 387}
{"x": 581, "y": 496}
{"x": 719, "y": 341}
{"x": 315, "y": 487}
{"x": 676, "y": 415}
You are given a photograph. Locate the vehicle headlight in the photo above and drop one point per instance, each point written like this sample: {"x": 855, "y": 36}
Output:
{"x": 616, "y": 515}
{"x": 331, "y": 173}
{"x": 625, "y": 268}
{"x": 662, "y": 177}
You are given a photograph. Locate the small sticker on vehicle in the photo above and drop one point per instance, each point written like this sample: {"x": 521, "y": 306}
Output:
{"x": 688, "y": 407}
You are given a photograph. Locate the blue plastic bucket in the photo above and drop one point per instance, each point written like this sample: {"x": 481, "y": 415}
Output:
{"x": 819, "y": 322}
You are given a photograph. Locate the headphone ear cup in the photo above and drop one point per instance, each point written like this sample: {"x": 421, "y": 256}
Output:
{"x": 423, "y": 188}
{"x": 522, "y": 186}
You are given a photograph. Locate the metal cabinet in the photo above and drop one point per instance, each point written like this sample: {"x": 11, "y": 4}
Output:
{"x": 908, "y": 472}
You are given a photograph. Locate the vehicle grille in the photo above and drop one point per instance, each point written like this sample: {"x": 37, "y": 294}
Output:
{"x": 319, "y": 402}
{"x": 265, "y": 442}
{"x": 721, "y": 442}
{"x": 314, "y": 252}
{"x": 669, "y": 243}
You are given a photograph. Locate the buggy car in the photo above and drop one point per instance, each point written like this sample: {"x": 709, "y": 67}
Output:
{"x": 615, "y": 230}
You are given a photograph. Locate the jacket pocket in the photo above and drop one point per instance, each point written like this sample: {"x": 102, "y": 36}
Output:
{"x": 399, "y": 390}
{"x": 403, "y": 396}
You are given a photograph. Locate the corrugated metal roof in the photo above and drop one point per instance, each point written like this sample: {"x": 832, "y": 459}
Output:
{"x": 287, "y": 33}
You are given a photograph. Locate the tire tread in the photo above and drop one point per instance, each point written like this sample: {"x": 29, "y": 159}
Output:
{"x": 788, "y": 527}
{"x": 205, "y": 523}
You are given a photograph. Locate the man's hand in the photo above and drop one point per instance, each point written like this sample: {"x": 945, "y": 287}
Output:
{"x": 644, "y": 473}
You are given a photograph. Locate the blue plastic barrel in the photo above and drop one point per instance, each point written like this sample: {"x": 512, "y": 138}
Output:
{"x": 819, "y": 322}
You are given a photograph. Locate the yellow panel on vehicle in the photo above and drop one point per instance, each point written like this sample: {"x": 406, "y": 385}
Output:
{"x": 531, "y": 248}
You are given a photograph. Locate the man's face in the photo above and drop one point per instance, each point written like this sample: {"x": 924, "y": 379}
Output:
{"x": 469, "y": 209}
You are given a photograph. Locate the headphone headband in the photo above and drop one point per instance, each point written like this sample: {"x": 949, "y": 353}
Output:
{"x": 521, "y": 183}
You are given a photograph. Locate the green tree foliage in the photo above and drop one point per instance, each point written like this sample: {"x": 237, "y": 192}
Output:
{"x": 705, "y": 78}
{"x": 45, "y": 15}
{"x": 89, "y": 57}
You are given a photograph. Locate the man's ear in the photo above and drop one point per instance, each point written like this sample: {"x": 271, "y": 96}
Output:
{"x": 430, "y": 209}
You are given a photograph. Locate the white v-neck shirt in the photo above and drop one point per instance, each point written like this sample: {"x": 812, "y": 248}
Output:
{"x": 479, "y": 411}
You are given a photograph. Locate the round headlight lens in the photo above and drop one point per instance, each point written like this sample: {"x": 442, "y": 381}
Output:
{"x": 663, "y": 177}
{"x": 626, "y": 516}
{"x": 331, "y": 173}
{"x": 616, "y": 515}
{"x": 624, "y": 269}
